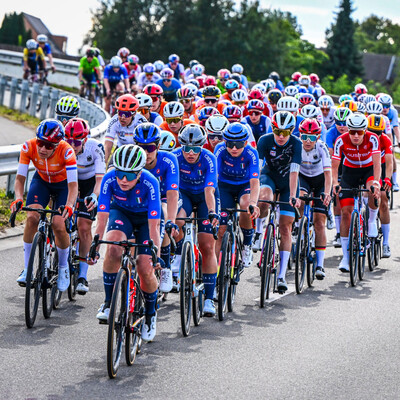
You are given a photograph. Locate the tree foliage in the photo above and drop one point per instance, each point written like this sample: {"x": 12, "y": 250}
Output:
{"x": 13, "y": 31}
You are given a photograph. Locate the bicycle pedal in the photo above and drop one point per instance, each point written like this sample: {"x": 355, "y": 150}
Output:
{"x": 103, "y": 322}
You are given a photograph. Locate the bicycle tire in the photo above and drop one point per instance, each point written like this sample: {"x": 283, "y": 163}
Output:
{"x": 311, "y": 261}
{"x": 377, "y": 245}
{"x": 185, "y": 292}
{"x": 73, "y": 275}
{"x": 235, "y": 276}
{"x": 363, "y": 247}
{"x": 300, "y": 268}
{"x": 49, "y": 292}
{"x": 34, "y": 278}
{"x": 197, "y": 302}
{"x": 224, "y": 275}
{"x": 354, "y": 247}
{"x": 266, "y": 265}
{"x": 117, "y": 323}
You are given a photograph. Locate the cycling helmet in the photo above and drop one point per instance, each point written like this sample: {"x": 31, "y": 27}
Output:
{"x": 341, "y": 114}
{"x": 116, "y": 62}
{"x": 235, "y": 132}
{"x": 274, "y": 76}
{"x": 148, "y": 68}
{"x": 216, "y": 124}
{"x": 255, "y": 105}
{"x": 167, "y": 73}
{"x": 77, "y": 128}
{"x": 133, "y": 59}
{"x": 167, "y": 141}
{"x": 306, "y": 98}
{"x": 374, "y": 107}
{"x": 357, "y": 121}
{"x": 42, "y": 38}
{"x": 283, "y": 120}
{"x": 194, "y": 82}
{"x": 173, "y": 109}
{"x": 211, "y": 91}
{"x": 31, "y": 44}
{"x": 325, "y": 102}
{"x": 349, "y": 104}
{"x": 90, "y": 53}
{"x": 210, "y": 81}
{"x": 296, "y": 76}
{"x": 385, "y": 100}
{"x": 269, "y": 84}
{"x": 274, "y": 95}
{"x": 237, "y": 69}
{"x": 236, "y": 77}
{"x": 259, "y": 86}
{"x": 318, "y": 92}
{"x": 231, "y": 84}
{"x": 361, "y": 107}
{"x": 126, "y": 102}
{"x": 96, "y": 51}
{"x": 288, "y": 104}
{"x": 207, "y": 112}
{"x": 344, "y": 97}
{"x": 123, "y": 52}
{"x": 314, "y": 78}
{"x": 310, "y": 126}
{"x": 223, "y": 74}
{"x": 158, "y": 65}
{"x": 376, "y": 123}
{"x": 129, "y": 158}
{"x": 201, "y": 80}
{"x": 192, "y": 87}
{"x": 68, "y": 106}
{"x": 192, "y": 63}
{"x": 256, "y": 94}
{"x": 197, "y": 70}
{"x": 186, "y": 93}
{"x": 360, "y": 88}
{"x": 291, "y": 91}
{"x": 304, "y": 80}
{"x": 50, "y": 130}
{"x": 309, "y": 111}
{"x": 173, "y": 58}
{"x": 239, "y": 95}
{"x": 192, "y": 135}
{"x": 368, "y": 97}
{"x": 361, "y": 97}
{"x": 302, "y": 89}
{"x": 232, "y": 112}
{"x": 147, "y": 133}
{"x": 144, "y": 100}
{"x": 153, "y": 90}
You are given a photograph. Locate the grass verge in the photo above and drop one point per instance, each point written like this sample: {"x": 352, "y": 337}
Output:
{"x": 16, "y": 116}
{"x": 5, "y": 213}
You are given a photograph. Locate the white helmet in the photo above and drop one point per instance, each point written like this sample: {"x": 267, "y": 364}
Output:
{"x": 239, "y": 95}
{"x": 288, "y": 104}
{"x": 309, "y": 111}
{"x": 197, "y": 69}
{"x": 167, "y": 141}
{"x": 173, "y": 109}
{"x": 129, "y": 158}
{"x": 216, "y": 124}
{"x": 361, "y": 106}
{"x": 357, "y": 121}
{"x": 385, "y": 99}
{"x": 368, "y": 98}
{"x": 192, "y": 87}
{"x": 325, "y": 102}
{"x": 31, "y": 44}
{"x": 291, "y": 90}
{"x": 42, "y": 38}
{"x": 259, "y": 86}
{"x": 116, "y": 62}
{"x": 144, "y": 100}
{"x": 374, "y": 107}
{"x": 269, "y": 84}
{"x": 283, "y": 120}
{"x": 237, "y": 68}
{"x": 159, "y": 65}
{"x": 304, "y": 80}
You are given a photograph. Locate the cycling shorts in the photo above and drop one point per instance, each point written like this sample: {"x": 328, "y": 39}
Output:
{"x": 40, "y": 191}
{"x": 230, "y": 196}
{"x": 314, "y": 185}
{"x": 41, "y": 64}
{"x": 113, "y": 86}
{"x": 33, "y": 66}
{"x": 352, "y": 178}
{"x": 90, "y": 78}
{"x": 86, "y": 187}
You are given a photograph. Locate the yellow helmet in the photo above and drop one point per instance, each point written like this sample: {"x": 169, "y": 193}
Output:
{"x": 352, "y": 105}
{"x": 376, "y": 123}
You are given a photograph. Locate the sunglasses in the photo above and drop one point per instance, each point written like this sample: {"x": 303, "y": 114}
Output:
{"x": 74, "y": 142}
{"x": 282, "y": 132}
{"x": 235, "y": 143}
{"x": 386, "y": 105}
{"x": 130, "y": 176}
{"x": 223, "y": 80}
{"x": 166, "y": 80}
{"x": 173, "y": 120}
{"x": 214, "y": 137}
{"x": 63, "y": 118}
{"x": 47, "y": 145}
{"x": 144, "y": 110}
{"x": 311, "y": 138}
{"x": 149, "y": 148}
{"x": 254, "y": 113}
{"x": 185, "y": 101}
{"x": 325, "y": 109}
{"x": 149, "y": 74}
{"x": 193, "y": 149}
{"x": 126, "y": 114}
{"x": 340, "y": 123}
{"x": 356, "y": 132}
{"x": 210, "y": 101}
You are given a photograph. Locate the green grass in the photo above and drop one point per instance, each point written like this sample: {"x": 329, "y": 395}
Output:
{"x": 66, "y": 88}
{"x": 16, "y": 116}
{"x": 5, "y": 202}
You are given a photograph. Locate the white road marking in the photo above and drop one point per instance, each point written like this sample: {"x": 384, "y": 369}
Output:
{"x": 276, "y": 296}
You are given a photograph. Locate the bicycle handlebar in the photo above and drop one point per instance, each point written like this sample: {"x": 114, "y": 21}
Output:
{"x": 171, "y": 239}
{"x": 14, "y": 214}
{"x": 355, "y": 191}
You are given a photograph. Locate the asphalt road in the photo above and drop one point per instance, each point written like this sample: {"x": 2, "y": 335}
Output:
{"x": 331, "y": 342}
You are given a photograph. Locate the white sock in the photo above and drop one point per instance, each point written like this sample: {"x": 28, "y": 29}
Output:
{"x": 385, "y": 231}
{"x": 365, "y": 200}
{"x": 320, "y": 257}
{"x": 338, "y": 219}
{"x": 284, "y": 258}
{"x": 394, "y": 177}
{"x": 259, "y": 225}
{"x": 27, "y": 253}
{"x": 373, "y": 214}
{"x": 345, "y": 245}
{"x": 63, "y": 257}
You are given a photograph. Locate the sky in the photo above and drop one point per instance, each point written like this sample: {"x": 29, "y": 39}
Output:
{"x": 72, "y": 18}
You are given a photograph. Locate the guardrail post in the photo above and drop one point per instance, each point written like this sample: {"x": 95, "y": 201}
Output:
{"x": 53, "y": 101}
{"x": 3, "y": 84}
{"x": 24, "y": 95}
{"x": 10, "y": 184}
{"x": 13, "y": 92}
{"x": 45, "y": 102}
{"x": 34, "y": 99}
{"x": 84, "y": 109}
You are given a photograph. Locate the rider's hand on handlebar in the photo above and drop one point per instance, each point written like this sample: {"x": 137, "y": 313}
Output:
{"x": 214, "y": 218}
{"x": 387, "y": 184}
{"x": 326, "y": 199}
{"x": 91, "y": 202}
{"x": 295, "y": 202}
{"x": 53, "y": 69}
{"x": 172, "y": 227}
{"x": 14, "y": 204}
{"x": 336, "y": 189}
{"x": 66, "y": 212}
{"x": 256, "y": 211}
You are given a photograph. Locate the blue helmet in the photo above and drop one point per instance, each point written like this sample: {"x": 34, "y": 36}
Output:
{"x": 149, "y": 68}
{"x": 236, "y": 132}
{"x": 147, "y": 133}
{"x": 50, "y": 130}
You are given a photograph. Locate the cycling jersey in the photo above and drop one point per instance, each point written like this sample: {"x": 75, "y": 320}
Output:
{"x": 331, "y": 136}
{"x": 134, "y": 72}
{"x": 329, "y": 120}
{"x": 142, "y": 80}
{"x": 356, "y": 156}
{"x": 165, "y": 127}
{"x": 113, "y": 76}
{"x": 91, "y": 161}
{"x": 315, "y": 161}
{"x": 237, "y": 170}
{"x": 124, "y": 134}
{"x": 388, "y": 127}
{"x": 195, "y": 177}
{"x": 46, "y": 49}
{"x": 279, "y": 85}
{"x": 170, "y": 91}
{"x": 155, "y": 118}
{"x": 188, "y": 114}
{"x": 393, "y": 116}
{"x": 385, "y": 145}
{"x": 263, "y": 127}
{"x": 179, "y": 71}
{"x": 88, "y": 67}
{"x": 59, "y": 167}
{"x": 33, "y": 56}
{"x": 296, "y": 131}
{"x": 244, "y": 81}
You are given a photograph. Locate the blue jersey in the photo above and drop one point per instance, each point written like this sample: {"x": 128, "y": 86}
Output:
{"x": 244, "y": 81}
{"x": 170, "y": 92}
{"x": 296, "y": 131}
{"x": 279, "y": 85}
{"x": 166, "y": 171}
{"x": 46, "y": 49}
{"x": 263, "y": 127}
{"x": 279, "y": 159}
{"x": 331, "y": 136}
{"x": 113, "y": 76}
{"x": 144, "y": 197}
{"x": 237, "y": 170}
{"x": 195, "y": 177}
{"x": 393, "y": 116}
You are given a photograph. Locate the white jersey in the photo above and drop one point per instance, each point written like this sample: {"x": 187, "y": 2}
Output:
{"x": 329, "y": 121}
{"x": 388, "y": 128}
{"x": 91, "y": 161}
{"x": 124, "y": 134}
{"x": 142, "y": 80}
{"x": 316, "y": 161}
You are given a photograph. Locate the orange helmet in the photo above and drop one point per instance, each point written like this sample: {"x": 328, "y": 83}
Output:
{"x": 349, "y": 104}
{"x": 127, "y": 102}
{"x": 77, "y": 128}
{"x": 376, "y": 123}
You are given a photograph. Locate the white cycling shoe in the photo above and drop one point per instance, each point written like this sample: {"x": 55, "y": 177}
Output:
{"x": 344, "y": 266}
{"x": 257, "y": 242}
{"x": 21, "y": 280}
{"x": 166, "y": 280}
{"x": 63, "y": 279}
{"x": 149, "y": 327}
{"x": 247, "y": 256}
{"x": 176, "y": 263}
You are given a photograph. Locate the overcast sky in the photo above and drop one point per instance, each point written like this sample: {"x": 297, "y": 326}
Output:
{"x": 72, "y": 18}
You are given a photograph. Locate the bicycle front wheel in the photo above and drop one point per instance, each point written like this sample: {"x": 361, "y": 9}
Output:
{"x": 266, "y": 265}
{"x": 186, "y": 272}
{"x": 354, "y": 247}
{"x": 73, "y": 266}
{"x": 301, "y": 255}
{"x": 197, "y": 301}
{"x": 224, "y": 274}
{"x": 50, "y": 289}
{"x": 117, "y": 323}
{"x": 235, "y": 276}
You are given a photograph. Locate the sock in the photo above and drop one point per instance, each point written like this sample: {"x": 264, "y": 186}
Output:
{"x": 365, "y": 200}
{"x": 320, "y": 251}
{"x": 63, "y": 257}
{"x": 338, "y": 219}
{"x": 284, "y": 258}
{"x": 385, "y": 231}
{"x": 165, "y": 255}
{"x": 150, "y": 302}
{"x": 109, "y": 280}
{"x": 178, "y": 250}
{"x": 83, "y": 269}
{"x": 210, "y": 281}
{"x": 27, "y": 253}
{"x": 345, "y": 245}
{"x": 247, "y": 236}
{"x": 394, "y": 177}
{"x": 260, "y": 225}
{"x": 372, "y": 217}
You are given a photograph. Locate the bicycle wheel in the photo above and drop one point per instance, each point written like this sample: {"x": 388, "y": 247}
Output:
{"x": 117, "y": 323}
{"x": 266, "y": 265}
{"x": 185, "y": 293}
{"x": 363, "y": 247}
{"x": 224, "y": 274}
{"x": 197, "y": 302}
{"x": 49, "y": 289}
{"x": 311, "y": 260}
{"x": 354, "y": 247}
{"x": 377, "y": 244}
{"x": 73, "y": 266}
{"x": 301, "y": 255}
{"x": 235, "y": 277}
{"x": 34, "y": 278}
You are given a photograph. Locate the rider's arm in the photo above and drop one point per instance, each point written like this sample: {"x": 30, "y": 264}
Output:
{"x": 72, "y": 194}
{"x": 210, "y": 198}
{"x": 389, "y": 165}
{"x": 102, "y": 218}
{"x": 376, "y": 159}
{"x": 108, "y": 144}
{"x": 109, "y": 138}
{"x": 293, "y": 179}
{"x": 254, "y": 190}
{"x": 335, "y": 172}
{"x": 154, "y": 233}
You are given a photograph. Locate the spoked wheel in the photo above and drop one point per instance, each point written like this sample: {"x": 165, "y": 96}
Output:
{"x": 301, "y": 255}
{"x": 354, "y": 247}
{"x": 267, "y": 263}
{"x": 311, "y": 266}
{"x": 186, "y": 287}
{"x": 198, "y": 302}
{"x": 49, "y": 292}
{"x": 224, "y": 274}
{"x": 377, "y": 244}
{"x": 34, "y": 278}
{"x": 117, "y": 323}
{"x": 73, "y": 275}
{"x": 235, "y": 277}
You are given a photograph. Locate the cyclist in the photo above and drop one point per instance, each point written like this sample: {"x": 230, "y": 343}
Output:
{"x": 276, "y": 78}
{"x": 230, "y": 86}
{"x": 145, "y": 104}
{"x": 159, "y": 66}
{"x": 362, "y": 164}
{"x": 97, "y": 54}
{"x": 215, "y": 126}
{"x": 123, "y": 53}
{"x": 188, "y": 70}
{"x": 130, "y": 201}
{"x": 259, "y": 123}
{"x": 238, "y": 182}
{"x": 198, "y": 187}
{"x": 177, "y": 68}
{"x": 258, "y": 94}
{"x": 67, "y": 108}
{"x": 291, "y": 105}
{"x": 134, "y": 69}
{"x": 167, "y": 141}
{"x": 147, "y": 77}
{"x": 174, "y": 121}
{"x": 186, "y": 96}
{"x": 311, "y": 111}
{"x": 169, "y": 84}
{"x": 42, "y": 42}
{"x": 155, "y": 92}
{"x": 56, "y": 174}
{"x": 314, "y": 78}
{"x": 238, "y": 69}
{"x": 281, "y": 153}
{"x": 222, "y": 77}
{"x": 123, "y": 124}
{"x": 273, "y": 97}
{"x": 295, "y": 78}
{"x": 211, "y": 96}
{"x": 232, "y": 113}
{"x": 327, "y": 107}
{"x": 31, "y": 55}
{"x": 201, "y": 116}
{"x": 89, "y": 66}
{"x": 91, "y": 168}
{"x": 316, "y": 178}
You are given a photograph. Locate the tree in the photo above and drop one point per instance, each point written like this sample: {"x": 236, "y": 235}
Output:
{"x": 342, "y": 50}
{"x": 13, "y": 31}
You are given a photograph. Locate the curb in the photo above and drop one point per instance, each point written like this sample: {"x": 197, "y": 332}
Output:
{"x": 12, "y": 232}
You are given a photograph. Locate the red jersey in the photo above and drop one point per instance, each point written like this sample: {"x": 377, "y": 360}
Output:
{"x": 386, "y": 146}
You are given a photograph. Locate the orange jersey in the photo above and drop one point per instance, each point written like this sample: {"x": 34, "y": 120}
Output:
{"x": 226, "y": 96}
{"x": 164, "y": 126}
{"x": 188, "y": 114}
{"x": 57, "y": 168}
{"x": 161, "y": 110}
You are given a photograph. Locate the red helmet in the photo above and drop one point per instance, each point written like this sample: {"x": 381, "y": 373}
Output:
{"x": 201, "y": 80}
{"x": 153, "y": 90}
{"x": 314, "y": 78}
{"x": 210, "y": 81}
{"x": 232, "y": 112}
{"x": 306, "y": 98}
{"x": 361, "y": 89}
{"x": 310, "y": 126}
{"x": 223, "y": 74}
{"x": 123, "y": 52}
{"x": 255, "y": 105}
{"x": 77, "y": 128}
{"x": 127, "y": 102}
{"x": 256, "y": 94}
{"x": 296, "y": 76}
